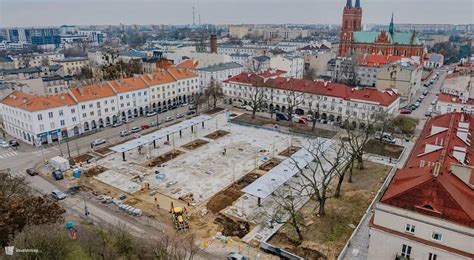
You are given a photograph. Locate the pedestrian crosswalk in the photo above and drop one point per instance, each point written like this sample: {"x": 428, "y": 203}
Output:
{"x": 7, "y": 153}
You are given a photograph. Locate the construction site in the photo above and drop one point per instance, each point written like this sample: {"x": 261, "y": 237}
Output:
{"x": 208, "y": 176}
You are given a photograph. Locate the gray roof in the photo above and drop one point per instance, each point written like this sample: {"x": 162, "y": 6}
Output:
{"x": 132, "y": 53}
{"x": 21, "y": 70}
{"x": 162, "y": 133}
{"x": 262, "y": 58}
{"x": 221, "y": 66}
{"x": 54, "y": 66}
{"x": 6, "y": 59}
{"x": 72, "y": 59}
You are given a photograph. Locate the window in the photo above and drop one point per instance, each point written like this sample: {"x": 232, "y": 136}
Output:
{"x": 52, "y": 125}
{"x": 40, "y": 117}
{"x": 83, "y": 106}
{"x": 41, "y": 127}
{"x": 406, "y": 250}
{"x": 432, "y": 256}
{"x": 121, "y": 97}
{"x": 437, "y": 236}
{"x": 91, "y": 105}
{"x": 62, "y": 123}
{"x": 410, "y": 228}
{"x": 98, "y": 104}
{"x": 61, "y": 113}
{"x": 74, "y": 119}
{"x": 84, "y": 115}
{"x": 50, "y": 114}
{"x": 73, "y": 110}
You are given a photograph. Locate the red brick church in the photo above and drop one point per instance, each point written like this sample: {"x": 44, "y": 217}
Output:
{"x": 353, "y": 40}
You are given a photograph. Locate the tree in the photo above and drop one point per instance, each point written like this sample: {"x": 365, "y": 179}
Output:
{"x": 86, "y": 73}
{"x": 309, "y": 74}
{"x": 20, "y": 208}
{"x": 327, "y": 162}
{"x": 293, "y": 100}
{"x": 255, "y": 94}
{"x": 214, "y": 91}
{"x": 314, "y": 114}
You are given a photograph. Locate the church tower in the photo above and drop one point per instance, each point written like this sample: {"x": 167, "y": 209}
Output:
{"x": 351, "y": 22}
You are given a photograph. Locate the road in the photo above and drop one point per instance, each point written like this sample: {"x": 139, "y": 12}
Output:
{"x": 25, "y": 156}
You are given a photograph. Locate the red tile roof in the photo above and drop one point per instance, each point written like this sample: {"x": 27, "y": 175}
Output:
{"x": 128, "y": 84}
{"x": 443, "y": 97}
{"x": 188, "y": 64}
{"x": 181, "y": 73}
{"x": 33, "y": 103}
{"x": 429, "y": 183}
{"x": 377, "y": 60}
{"x": 91, "y": 92}
{"x": 271, "y": 73}
{"x": 320, "y": 88}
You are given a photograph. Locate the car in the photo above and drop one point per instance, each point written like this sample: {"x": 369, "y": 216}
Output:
{"x": 154, "y": 123}
{"x": 14, "y": 143}
{"x": 417, "y": 104}
{"x": 191, "y": 113}
{"x": 74, "y": 189}
{"x": 57, "y": 175}
{"x": 422, "y": 97}
{"x": 388, "y": 139}
{"x": 124, "y": 133}
{"x": 425, "y": 92}
{"x": 412, "y": 107}
{"x": 179, "y": 116}
{"x": 164, "y": 110}
{"x": 58, "y": 195}
{"x": 32, "y": 171}
{"x": 433, "y": 102}
{"x": 192, "y": 107}
{"x": 236, "y": 256}
{"x": 173, "y": 107}
{"x": 151, "y": 114}
{"x": 169, "y": 119}
{"x": 405, "y": 111}
{"x": 145, "y": 127}
{"x": 129, "y": 120}
{"x": 97, "y": 142}
{"x": 117, "y": 124}
{"x": 5, "y": 144}
{"x": 135, "y": 129}
{"x": 428, "y": 112}
{"x": 184, "y": 104}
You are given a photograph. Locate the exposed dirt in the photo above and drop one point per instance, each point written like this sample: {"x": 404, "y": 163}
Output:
{"x": 103, "y": 151}
{"x": 95, "y": 170}
{"x": 305, "y": 250}
{"x": 270, "y": 164}
{"x": 290, "y": 151}
{"x": 232, "y": 228}
{"x": 80, "y": 159}
{"x": 163, "y": 158}
{"x": 195, "y": 144}
{"x": 384, "y": 149}
{"x": 217, "y": 134}
{"x": 226, "y": 197}
{"x": 213, "y": 111}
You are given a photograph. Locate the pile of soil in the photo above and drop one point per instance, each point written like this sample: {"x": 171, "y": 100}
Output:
{"x": 80, "y": 159}
{"x": 270, "y": 164}
{"x": 217, "y": 134}
{"x": 195, "y": 144}
{"x": 305, "y": 249}
{"x": 213, "y": 111}
{"x": 96, "y": 170}
{"x": 232, "y": 228}
{"x": 103, "y": 151}
{"x": 226, "y": 197}
{"x": 163, "y": 158}
{"x": 290, "y": 151}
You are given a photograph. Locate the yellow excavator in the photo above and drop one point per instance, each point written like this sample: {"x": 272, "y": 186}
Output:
{"x": 179, "y": 218}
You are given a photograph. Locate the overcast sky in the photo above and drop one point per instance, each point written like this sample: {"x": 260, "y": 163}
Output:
{"x": 84, "y": 12}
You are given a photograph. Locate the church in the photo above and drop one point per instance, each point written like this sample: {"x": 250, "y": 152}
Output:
{"x": 355, "y": 41}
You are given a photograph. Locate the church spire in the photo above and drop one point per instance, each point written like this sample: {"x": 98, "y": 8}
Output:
{"x": 349, "y": 4}
{"x": 357, "y": 5}
{"x": 391, "y": 28}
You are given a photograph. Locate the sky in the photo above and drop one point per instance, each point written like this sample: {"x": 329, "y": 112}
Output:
{"x": 87, "y": 12}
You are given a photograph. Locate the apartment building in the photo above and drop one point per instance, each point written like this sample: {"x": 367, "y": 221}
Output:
{"x": 403, "y": 76}
{"x": 427, "y": 211}
{"x": 457, "y": 95}
{"x": 37, "y": 119}
{"x": 292, "y": 64}
{"x": 332, "y": 101}
{"x": 72, "y": 66}
{"x": 219, "y": 73}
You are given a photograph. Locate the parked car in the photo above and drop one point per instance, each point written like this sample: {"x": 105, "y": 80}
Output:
{"x": 14, "y": 143}
{"x": 129, "y": 120}
{"x": 179, "y": 116}
{"x": 417, "y": 104}
{"x": 145, "y": 127}
{"x": 74, "y": 189}
{"x": 117, "y": 124}
{"x": 58, "y": 175}
{"x": 192, "y": 107}
{"x": 425, "y": 92}
{"x": 97, "y": 142}
{"x": 154, "y": 123}
{"x": 32, "y": 171}
{"x": 433, "y": 102}
{"x": 151, "y": 114}
{"x": 5, "y": 144}
{"x": 58, "y": 195}
{"x": 135, "y": 129}
{"x": 124, "y": 133}
{"x": 184, "y": 104}
{"x": 405, "y": 111}
{"x": 236, "y": 256}
{"x": 191, "y": 113}
{"x": 281, "y": 116}
{"x": 164, "y": 110}
{"x": 168, "y": 119}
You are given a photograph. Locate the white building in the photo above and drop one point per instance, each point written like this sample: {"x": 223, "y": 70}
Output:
{"x": 433, "y": 60}
{"x": 293, "y": 64}
{"x": 132, "y": 96}
{"x": 457, "y": 95}
{"x": 332, "y": 101}
{"x": 37, "y": 59}
{"x": 218, "y": 72}
{"x": 426, "y": 212}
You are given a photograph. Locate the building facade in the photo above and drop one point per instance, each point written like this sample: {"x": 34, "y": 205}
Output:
{"x": 219, "y": 73}
{"x": 404, "y": 77}
{"x": 292, "y": 64}
{"x": 426, "y": 211}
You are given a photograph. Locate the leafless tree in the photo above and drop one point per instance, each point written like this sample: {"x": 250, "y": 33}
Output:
{"x": 314, "y": 113}
{"x": 309, "y": 74}
{"x": 214, "y": 91}
{"x": 256, "y": 96}
{"x": 293, "y": 100}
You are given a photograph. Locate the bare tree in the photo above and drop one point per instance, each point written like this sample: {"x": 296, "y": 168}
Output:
{"x": 256, "y": 96}
{"x": 293, "y": 100}
{"x": 214, "y": 91}
{"x": 309, "y": 74}
{"x": 314, "y": 114}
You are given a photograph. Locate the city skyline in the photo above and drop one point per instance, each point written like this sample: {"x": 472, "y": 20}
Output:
{"x": 23, "y": 13}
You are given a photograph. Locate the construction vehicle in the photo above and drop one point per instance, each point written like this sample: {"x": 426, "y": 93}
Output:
{"x": 179, "y": 218}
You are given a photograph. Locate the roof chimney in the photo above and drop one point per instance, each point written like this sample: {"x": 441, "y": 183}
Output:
{"x": 213, "y": 43}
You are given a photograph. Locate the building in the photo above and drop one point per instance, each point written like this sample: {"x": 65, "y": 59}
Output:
{"x": 284, "y": 34}
{"x": 369, "y": 65}
{"x": 56, "y": 84}
{"x": 94, "y": 37}
{"x": 37, "y": 119}
{"x": 426, "y": 212}
{"x": 353, "y": 40}
{"x": 72, "y": 66}
{"x": 242, "y": 59}
{"x": 457, "y": 95}
{"x": 238, "y": 31}
{"x": 260, "y": 63}
{"x": 218, "y": 72}
{"x": 405, "y": 77}
{"x": 292, "y": 64}
{"x": 433, "y": 60}
{"x": 6, "y": 63}
{"x": 36, "y": 59}
{"x": 317, "y": 61}
{"x": 333, "y": 102}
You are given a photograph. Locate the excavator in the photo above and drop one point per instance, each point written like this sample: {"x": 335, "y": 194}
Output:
{"x": 179, "y": 218}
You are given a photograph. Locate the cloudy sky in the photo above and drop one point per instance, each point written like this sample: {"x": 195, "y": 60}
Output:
{"x": 83, "y": 12}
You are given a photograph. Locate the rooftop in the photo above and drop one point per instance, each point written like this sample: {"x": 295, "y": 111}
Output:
{"x": 221, "y": 67}
{"x": 33, "y": 103}
{"x": 438, "y": 178}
